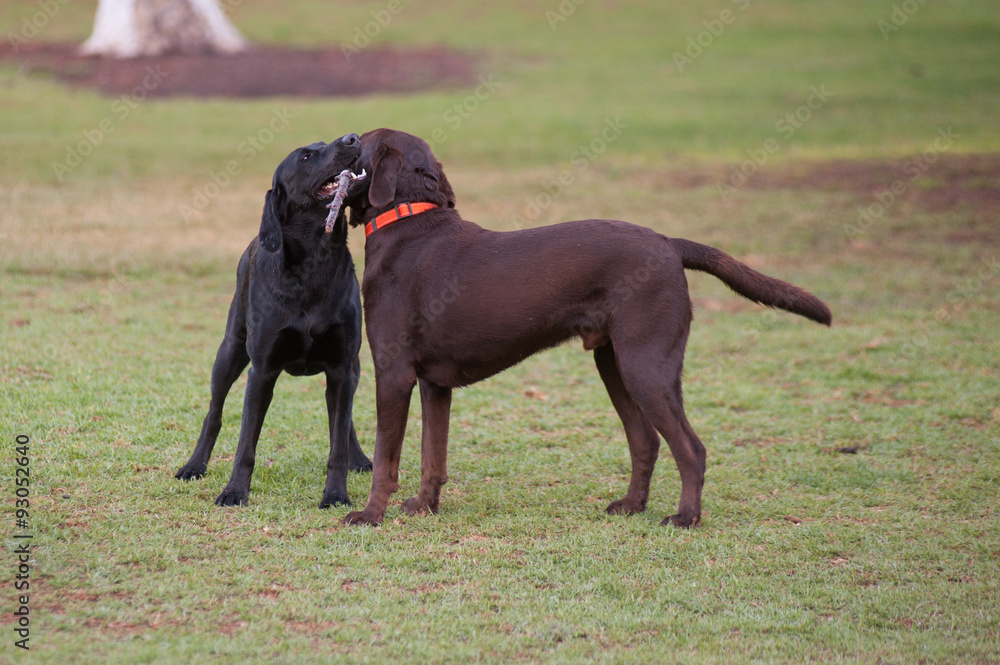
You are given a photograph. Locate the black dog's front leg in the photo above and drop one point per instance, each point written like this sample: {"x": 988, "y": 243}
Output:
{"x": 339, "y": 402}
{"x": 260, "y": 389}
{"x": 230, "y": 361}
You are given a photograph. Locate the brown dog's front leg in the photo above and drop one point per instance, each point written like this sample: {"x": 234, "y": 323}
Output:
{"x": 392, "y": 400}
{"x": 435, "y": 403}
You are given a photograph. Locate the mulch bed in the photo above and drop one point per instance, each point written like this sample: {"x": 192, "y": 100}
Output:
{"x": 262, "y": 71}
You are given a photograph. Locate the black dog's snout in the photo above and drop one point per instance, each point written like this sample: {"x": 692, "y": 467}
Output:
{"x": 351, "y": 140}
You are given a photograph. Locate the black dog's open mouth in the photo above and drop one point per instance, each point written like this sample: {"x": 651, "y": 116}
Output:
{"x": 328, "y": 189}
{"x": 337, "y": 190}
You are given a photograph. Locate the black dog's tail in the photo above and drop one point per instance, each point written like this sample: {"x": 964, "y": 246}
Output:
{"x": 751, "y": 284}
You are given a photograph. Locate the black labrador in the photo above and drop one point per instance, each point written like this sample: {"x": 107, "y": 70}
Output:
{"x": 448, "y": 303}
{"x": 297, "y": 309}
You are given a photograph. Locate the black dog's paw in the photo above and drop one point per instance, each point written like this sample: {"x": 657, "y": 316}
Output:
{"x": 232, "y": 497}
{"x": 191, "y": 471}
{"x": 334, "y": 499}
{"x": 364, "y": 465}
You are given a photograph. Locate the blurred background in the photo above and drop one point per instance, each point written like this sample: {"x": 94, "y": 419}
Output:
{"x": 511, "y": 93}
{"x": 849, "y": 146}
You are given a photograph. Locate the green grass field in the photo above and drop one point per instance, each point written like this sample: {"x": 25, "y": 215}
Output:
{"x": 112, "y": 305}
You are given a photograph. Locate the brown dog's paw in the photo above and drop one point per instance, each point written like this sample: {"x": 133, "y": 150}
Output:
{"x": 683, "y": 521}
{"x": 417, "y": 506}
{"x": 625, "y": 507}
{"x": 414, "y": 506}
{"x": 359, "y": 518}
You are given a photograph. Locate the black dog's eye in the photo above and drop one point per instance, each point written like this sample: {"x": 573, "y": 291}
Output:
{"x": 304, "y": 157}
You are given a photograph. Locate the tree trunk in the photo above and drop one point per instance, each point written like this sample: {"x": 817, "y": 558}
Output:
{"x": 130, "y": 28}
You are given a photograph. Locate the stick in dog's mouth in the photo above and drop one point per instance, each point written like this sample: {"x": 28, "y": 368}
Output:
{"x": 339, "y": 184}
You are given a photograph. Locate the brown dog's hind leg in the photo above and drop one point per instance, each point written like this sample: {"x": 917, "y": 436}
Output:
{"x": 435, "y": 403}
{"x": 392, "y": 400}
{"x": 655, "y": 384}
{"x": 692, "y": 470}
{"x": 643, "y": 441}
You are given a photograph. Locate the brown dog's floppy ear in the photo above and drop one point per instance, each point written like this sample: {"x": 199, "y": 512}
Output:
{"x": 270, "y": 234}
{"x": 386, "y": 165}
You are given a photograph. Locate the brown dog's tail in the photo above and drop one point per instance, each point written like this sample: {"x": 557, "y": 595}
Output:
{"x": 751, "y": 284}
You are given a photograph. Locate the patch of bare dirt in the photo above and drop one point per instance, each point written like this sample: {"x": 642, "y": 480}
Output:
{"x": 262, "y": 71}
{"x": 935, "y": 182}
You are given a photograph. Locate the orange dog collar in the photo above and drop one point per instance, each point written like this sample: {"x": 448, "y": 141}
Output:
{"x": 396, "y": 214}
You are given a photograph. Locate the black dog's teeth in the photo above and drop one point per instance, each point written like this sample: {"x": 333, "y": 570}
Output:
{"x": 328, "y": 189}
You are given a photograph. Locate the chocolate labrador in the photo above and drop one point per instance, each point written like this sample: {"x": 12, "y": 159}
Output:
{"x": 448, "y": 303}
{"x": 297, "y": 309}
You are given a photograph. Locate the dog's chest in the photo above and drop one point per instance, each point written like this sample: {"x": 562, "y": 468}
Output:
{"x": 309, "y": 345}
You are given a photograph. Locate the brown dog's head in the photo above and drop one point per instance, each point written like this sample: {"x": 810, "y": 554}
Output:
{"x": 401, "y": 169}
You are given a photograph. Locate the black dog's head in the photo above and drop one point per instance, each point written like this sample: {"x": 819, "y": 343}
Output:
{"x": 401, "y": 169}
{"x": 304, "y": 183}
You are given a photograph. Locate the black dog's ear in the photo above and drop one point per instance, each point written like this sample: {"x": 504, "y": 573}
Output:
{"x": 445, "y": 187}
{"x": 386, "y": 165}
{"x": 270, "y": 220}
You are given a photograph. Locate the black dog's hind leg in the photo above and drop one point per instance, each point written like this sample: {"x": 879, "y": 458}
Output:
{"x": 339, "y": 401}
{"x": 260, "y": 389}
{"x": 356, "y": 458}
{"x": 230, "y": 362}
